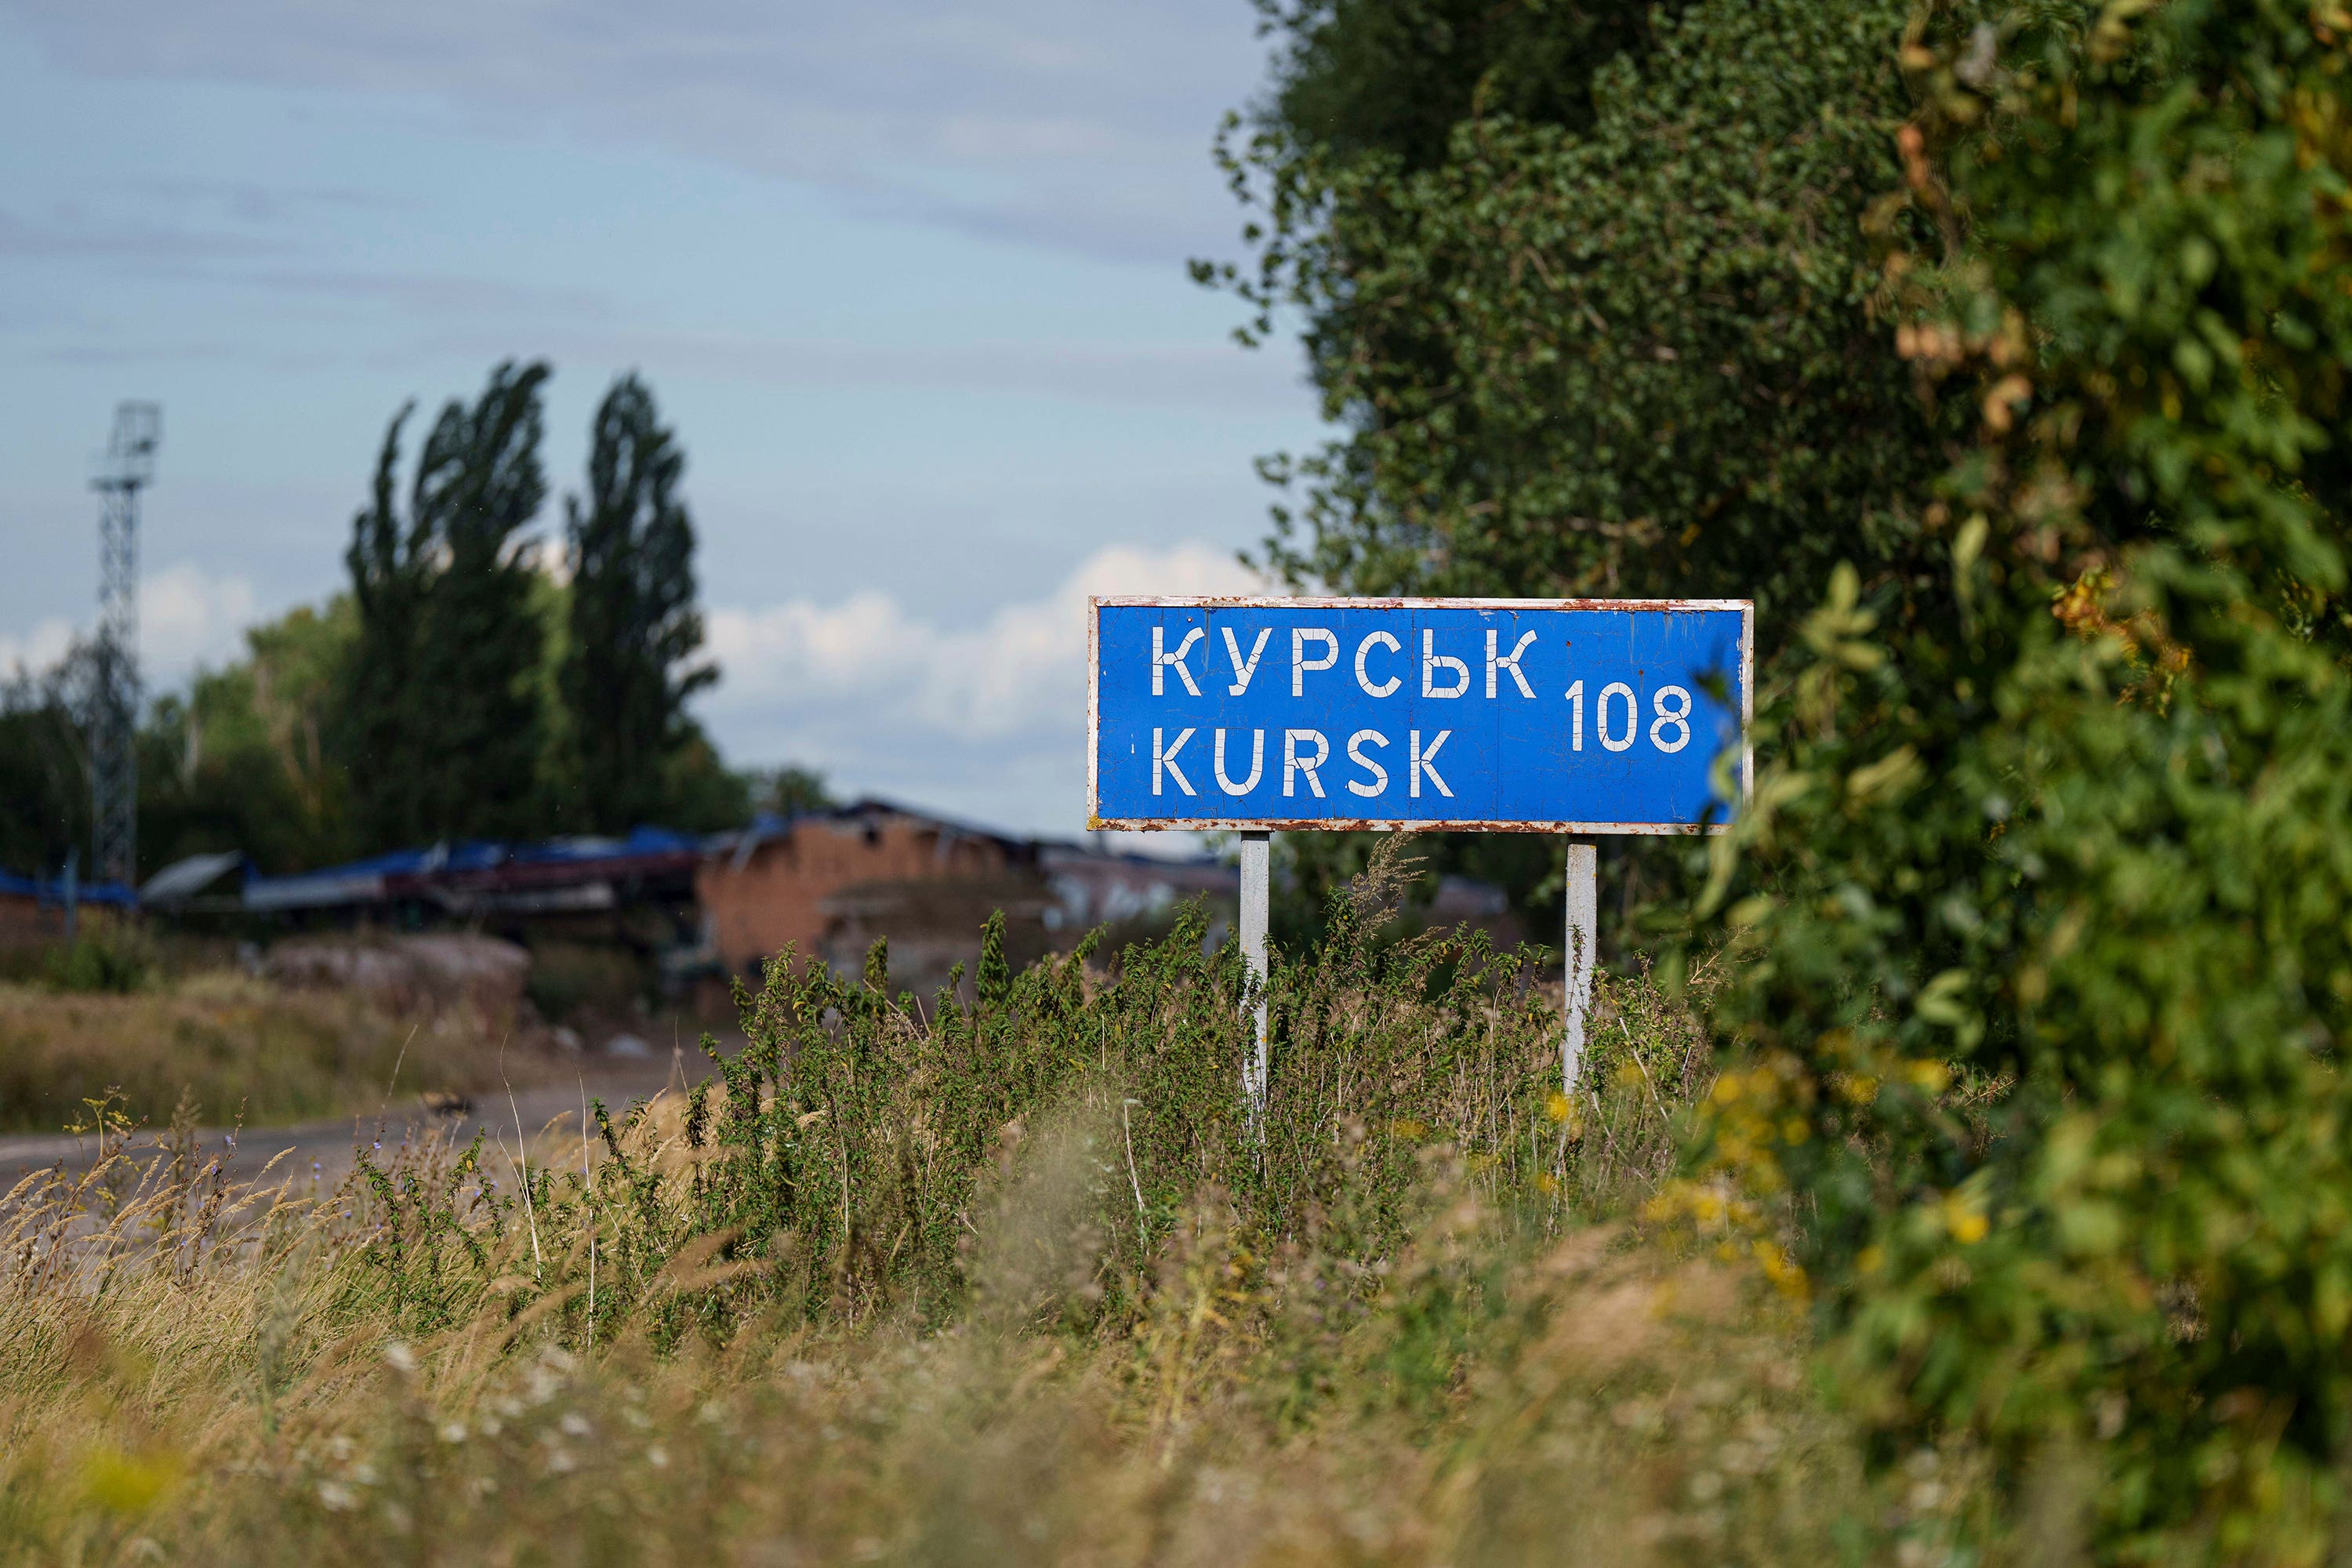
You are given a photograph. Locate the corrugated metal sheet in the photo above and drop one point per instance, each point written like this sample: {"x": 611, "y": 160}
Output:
{"x": 185, "y": 879}
{"x": 474, "y": 871}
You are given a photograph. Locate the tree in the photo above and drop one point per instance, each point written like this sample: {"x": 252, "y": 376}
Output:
{"x": 701, "y": 793}
{"x": 1607, "y": 328}
{"x": 44, "y": 767}
{"x": 245, "y": 760}
{"x": 789, "y": 790}
{"x": 1592, "y": 289}
{"x": 633, "y": 625}
{"x": 444, "y": 716}
{"x": 1397, "y": 77}
{"x": 390, "y": 565}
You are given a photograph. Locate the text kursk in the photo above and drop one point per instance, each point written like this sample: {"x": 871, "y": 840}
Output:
{"x": 1375, "y": 761}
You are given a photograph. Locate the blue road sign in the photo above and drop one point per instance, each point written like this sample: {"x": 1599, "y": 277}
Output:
{"x": 1500, "y": 715}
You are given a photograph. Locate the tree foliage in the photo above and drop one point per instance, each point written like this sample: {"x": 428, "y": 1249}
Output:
{"x": 246, "y": 758}
{"x": 388, "y": 566}
{"x": 789, "y": 790}
{"x": 445, "y": 718}
{"x": 1588, "y": 288}
{"x": 2044, "y": 882}
{"x": 633, "y": 625}
{"x": 2023, "y": 329}
{"x": 45, "y": 804}
{"x": 1608, "y": 327}
{"x": 1395, "y": 78}
{"x": 482, "y": 646}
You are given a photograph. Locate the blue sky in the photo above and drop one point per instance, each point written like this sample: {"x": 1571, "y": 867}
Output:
{"x": 907, "y": 277}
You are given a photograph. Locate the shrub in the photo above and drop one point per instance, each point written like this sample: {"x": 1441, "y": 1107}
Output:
{"x": 569, "y": 976}
{"x": 2043, "y": 892}
{"x": 113, "y": 959}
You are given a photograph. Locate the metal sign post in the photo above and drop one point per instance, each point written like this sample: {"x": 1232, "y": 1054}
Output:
{"x": 1569, "y": 716}
{"x": 1257, "y": 877}
{"x": 1583, "y": 932}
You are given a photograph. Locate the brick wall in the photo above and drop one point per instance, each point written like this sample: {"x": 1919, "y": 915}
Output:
{"x": 776, "y": 895}
{"x": 25, "y": 923}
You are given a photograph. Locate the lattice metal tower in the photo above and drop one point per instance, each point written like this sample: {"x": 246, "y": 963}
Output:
{"x": 127, "y": 467}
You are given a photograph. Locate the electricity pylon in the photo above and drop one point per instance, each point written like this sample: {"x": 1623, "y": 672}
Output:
{"x": 128, "y": 466}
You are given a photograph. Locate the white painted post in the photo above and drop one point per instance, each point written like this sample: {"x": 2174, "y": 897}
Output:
{"x": 1257, "y": 858}
{"x": 1583, "y": 928}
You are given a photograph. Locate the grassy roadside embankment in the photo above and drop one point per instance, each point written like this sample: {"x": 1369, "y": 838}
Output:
{"x": 922, "y": 1282}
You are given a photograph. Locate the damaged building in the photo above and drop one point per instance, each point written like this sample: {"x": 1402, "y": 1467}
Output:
{"x": 823, "y": 885}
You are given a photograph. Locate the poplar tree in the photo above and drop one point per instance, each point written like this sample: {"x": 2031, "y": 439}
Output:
{"x": 387, "y": 560}
{"x": 629, "y": 663}
{"x": 444, "y": 718}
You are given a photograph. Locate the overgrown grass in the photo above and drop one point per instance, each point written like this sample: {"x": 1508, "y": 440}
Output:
{"x": 109, "y": 953}
{"x": 230, "y": 1043}
{"x": 1015, "y": 1282}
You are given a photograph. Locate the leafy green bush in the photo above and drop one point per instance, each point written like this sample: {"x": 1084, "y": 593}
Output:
{"x": 112, "y": 957}
{"x": 2043, "y": 889}
{"x": 2025, "y": 326}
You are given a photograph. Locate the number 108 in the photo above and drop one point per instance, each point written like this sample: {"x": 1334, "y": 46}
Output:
{"x": 1669, "y": 723}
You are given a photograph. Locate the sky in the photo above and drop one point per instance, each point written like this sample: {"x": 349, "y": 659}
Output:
{"x": 907, "y": 277}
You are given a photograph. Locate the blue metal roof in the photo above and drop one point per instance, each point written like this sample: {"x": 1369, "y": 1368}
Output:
{"x": 544, "y": 863}
{"x": 53, "y": 890}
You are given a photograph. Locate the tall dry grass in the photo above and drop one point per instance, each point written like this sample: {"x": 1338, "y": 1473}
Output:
{"x": 231, "y": 1043}
{"x": 1477, "y": 1395}
{"x": 1435, "y": 1339}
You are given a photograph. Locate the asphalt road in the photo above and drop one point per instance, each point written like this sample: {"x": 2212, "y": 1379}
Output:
{"x": 326, "y": 1149}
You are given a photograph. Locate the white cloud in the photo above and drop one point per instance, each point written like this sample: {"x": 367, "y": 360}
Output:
{"x": 986, "y": 721}
{"x": 31, "y": 652}
{"x": 1023, "y": 671}
{"x": 187, "y": 616}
